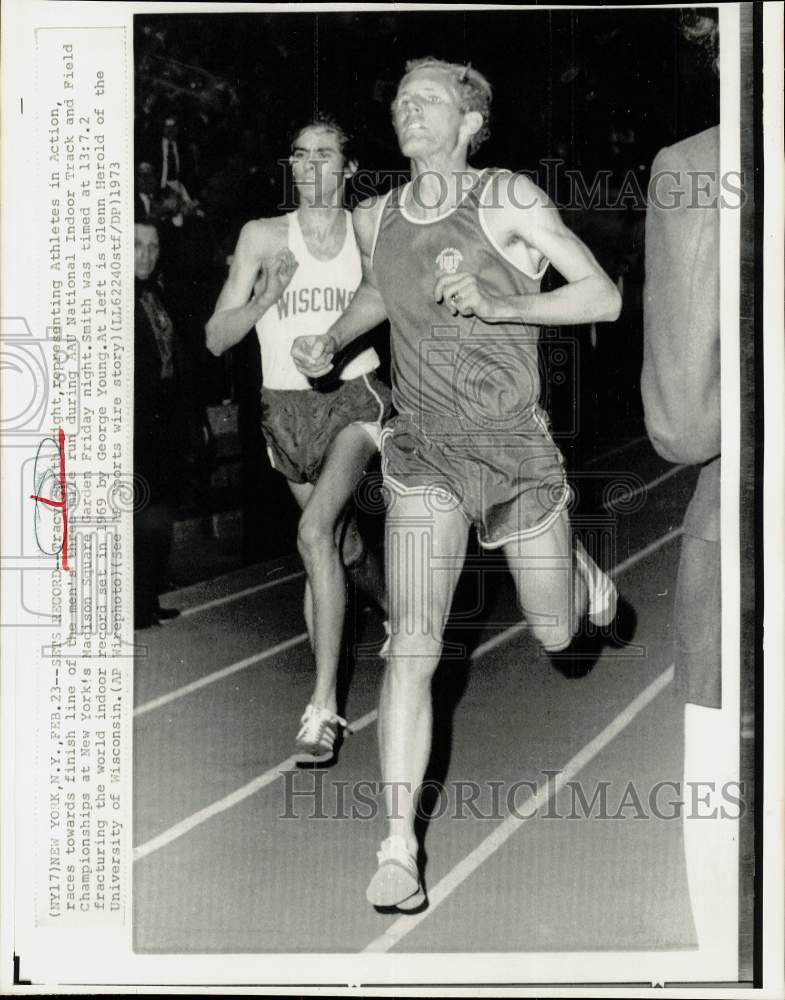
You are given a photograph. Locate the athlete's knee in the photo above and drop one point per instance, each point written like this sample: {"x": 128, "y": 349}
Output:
{"x": 413, "y": 659}
{"x": 416, "y": 641}
{"x": 313, "y": 535}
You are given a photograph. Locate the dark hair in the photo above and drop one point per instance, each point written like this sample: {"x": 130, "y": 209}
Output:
{"x": 324, "y": 120}
{"x": 474, "y": 92}
{"x": 699, "y": 26}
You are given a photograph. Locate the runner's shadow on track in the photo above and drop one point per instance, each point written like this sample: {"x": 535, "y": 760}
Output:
{"x": 574, "y": 665}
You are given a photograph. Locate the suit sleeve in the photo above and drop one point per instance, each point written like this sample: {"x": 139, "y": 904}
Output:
{"x": 680, "y": 382}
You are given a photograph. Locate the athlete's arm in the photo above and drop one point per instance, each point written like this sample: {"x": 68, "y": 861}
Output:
{"x": 525, "y": 211}
{"x": 313, "y": 355}
{"x": 244, "y": 299}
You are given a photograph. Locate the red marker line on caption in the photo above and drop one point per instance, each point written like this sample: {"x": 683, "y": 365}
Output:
{"x": 60, "y": 504}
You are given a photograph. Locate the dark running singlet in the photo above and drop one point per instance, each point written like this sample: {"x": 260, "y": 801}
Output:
{"x": 454, "y": 366}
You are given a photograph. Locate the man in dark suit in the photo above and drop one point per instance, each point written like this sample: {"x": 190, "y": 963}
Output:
{"x": 148, "y": 194}
{"x": 172, "y": 159}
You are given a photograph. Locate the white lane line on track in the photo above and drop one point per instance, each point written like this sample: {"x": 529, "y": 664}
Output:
{"x": 218, "y": 675}
{"x": 440, "y": 892}
{"x": 180, "y": 829}
{"x": 180, "y": 592}
{"x": 644, "y": 488}
{"x": 647, "y": 550}
{"x": 484, "y": 647}
{"x": 265, "y": 779}
{"x": 216, "y": 602}
{"x": 617, "y": 450}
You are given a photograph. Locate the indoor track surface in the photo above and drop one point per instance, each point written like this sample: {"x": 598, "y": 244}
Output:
{"x": 237, "y": 851}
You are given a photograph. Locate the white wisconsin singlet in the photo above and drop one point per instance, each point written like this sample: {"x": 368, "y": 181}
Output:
{"x": 313, "y": 300}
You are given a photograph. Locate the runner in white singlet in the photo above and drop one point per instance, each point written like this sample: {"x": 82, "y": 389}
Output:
{"x": 292, "y": 275}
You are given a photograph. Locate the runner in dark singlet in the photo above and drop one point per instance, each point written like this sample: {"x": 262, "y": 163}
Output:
{"x": 454, "y": 259}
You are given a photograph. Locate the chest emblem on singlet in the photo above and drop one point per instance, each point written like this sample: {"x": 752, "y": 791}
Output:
{"x": 449, "y": 260}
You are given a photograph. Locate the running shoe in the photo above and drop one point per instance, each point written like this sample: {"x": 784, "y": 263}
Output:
{"x": 316, "y": 739}
{"x": 602, "y": 594}
{"x": 396, "y": 881}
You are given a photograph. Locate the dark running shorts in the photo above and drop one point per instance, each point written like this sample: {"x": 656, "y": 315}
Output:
{"x": 510, "y": 488}
{"x": 299, "y": 425}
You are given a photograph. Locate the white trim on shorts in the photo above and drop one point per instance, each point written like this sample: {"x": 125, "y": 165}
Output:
{"x": 522, "y": 535}
{"x": 372, "y": 428}
{"x": 546, "y": 522}
{"x": 409, "y": 491}
{"x": 536, "y": 529}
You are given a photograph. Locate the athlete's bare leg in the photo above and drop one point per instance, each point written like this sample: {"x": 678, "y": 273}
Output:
{"x": 424, "y": 556}
{"x": 323, "y": 510}
{"x": 558, "y": 583}
{"x": 551, "y": 594}
{"x": 360, "y": 562}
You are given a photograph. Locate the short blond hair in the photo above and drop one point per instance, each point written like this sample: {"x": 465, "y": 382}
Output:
{"x": 474, "y": 91}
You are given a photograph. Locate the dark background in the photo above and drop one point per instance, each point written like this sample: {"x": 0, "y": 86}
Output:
{"x": 564, "y": 81}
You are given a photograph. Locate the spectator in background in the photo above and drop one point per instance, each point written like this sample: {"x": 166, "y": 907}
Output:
{"x": 148, "y": 203}
{"x": 166, "y": 182}
{"x": 174, "y": 160}
{"x": 681, "y": 396}
{"x": 169, "y": 430}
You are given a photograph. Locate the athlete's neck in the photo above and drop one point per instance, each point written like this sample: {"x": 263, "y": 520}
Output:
{"x": 439, "y": 184}
{"x": 314, "y": 212}
{"x": 323, "y": 229}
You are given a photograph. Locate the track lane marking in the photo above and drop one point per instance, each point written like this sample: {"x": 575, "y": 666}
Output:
{"x": 617, "y": 450}
{"x": 218, "y": 675}
{"x": 647, "y": 550}
{"x": 644, "y": 487}
{"x": 484, "y": 647}
{"x": 233, "y": 799}
{"x": 216, "y": 602}
{"x": 486, "y": 848}
{"x": 221, "y": 805}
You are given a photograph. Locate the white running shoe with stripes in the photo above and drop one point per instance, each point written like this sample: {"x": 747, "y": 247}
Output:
{"x": 315, "y": 742}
